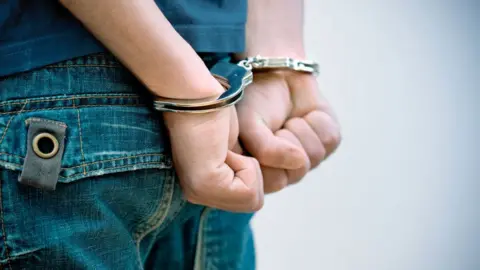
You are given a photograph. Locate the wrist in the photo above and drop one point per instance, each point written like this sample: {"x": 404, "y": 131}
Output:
{"x": 187, "y": 80}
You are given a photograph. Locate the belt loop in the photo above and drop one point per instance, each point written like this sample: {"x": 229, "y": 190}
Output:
{"x": 45, "y": 146}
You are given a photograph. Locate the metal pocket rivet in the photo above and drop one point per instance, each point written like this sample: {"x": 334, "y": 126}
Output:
{"x": 51, "y": 139}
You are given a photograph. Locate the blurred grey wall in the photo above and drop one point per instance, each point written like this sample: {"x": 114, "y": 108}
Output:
{"x": 403, "y": 191}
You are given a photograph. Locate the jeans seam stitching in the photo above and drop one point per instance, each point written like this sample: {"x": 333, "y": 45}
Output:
{"x": 83, "y": 65}
{"x": 112, "y": 159}
{"x": 47, "y": 99}
{"x": 91, "y": 163}
{"x": 81, "y": 140}
{"x": 4, "y": 232}
{"x": 157, "y": 218}
{"x": 176, "y": 213}
{"x": 113, "y": 168}
{"x": 10, "y": 121}
{"x": 200, "y": 248}
{"x": 74, "y": 107}
{"x": 138, "y": 237}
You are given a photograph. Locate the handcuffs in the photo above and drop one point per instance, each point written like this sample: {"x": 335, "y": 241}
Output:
{"x": 235, "y": 78}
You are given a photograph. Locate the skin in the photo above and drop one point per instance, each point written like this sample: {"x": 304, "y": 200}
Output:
{"x": 209, "y": 173}
{"x": 285, "y": 122}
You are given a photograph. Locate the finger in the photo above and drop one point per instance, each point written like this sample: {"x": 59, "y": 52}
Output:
{"x": 326, "y": 128}
{"x": 308, "y": 138}
{"x": 237, "y": 148}
{"x": 268, "y": 149}
{"x": 247, "y": 184}
{"x": 274, "y": 179}
{"x": 294, "y": 176}
{"x": 200, "y": 151}
{"x": 254, "y": 184}
{"x": 245, "y": 168}
{"x": 236, "y": 187}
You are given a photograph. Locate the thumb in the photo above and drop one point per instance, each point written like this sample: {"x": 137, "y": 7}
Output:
{"x": 208, "y": 172}
{"x": 248, "y": 178}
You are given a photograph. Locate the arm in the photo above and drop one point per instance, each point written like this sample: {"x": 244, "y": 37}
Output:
{"x": 275, "y": 28}
{"x": 284, "y": 121}
{"x": 142, "y": 38}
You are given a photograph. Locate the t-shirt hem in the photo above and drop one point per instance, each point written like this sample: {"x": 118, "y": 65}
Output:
{"x": 44, "y": 51}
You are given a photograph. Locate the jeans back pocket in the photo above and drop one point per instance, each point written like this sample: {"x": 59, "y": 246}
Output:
{"x": 115, "y": 179}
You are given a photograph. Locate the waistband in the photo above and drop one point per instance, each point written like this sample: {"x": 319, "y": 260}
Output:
{"x": 100, "y": 73}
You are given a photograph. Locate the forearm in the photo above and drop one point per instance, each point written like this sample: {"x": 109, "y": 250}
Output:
{"x": 142, "y": 38}
{"x": 275, "y": 28}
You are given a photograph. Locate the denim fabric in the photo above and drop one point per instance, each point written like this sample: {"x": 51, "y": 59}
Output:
{"x": 117, "y": 204}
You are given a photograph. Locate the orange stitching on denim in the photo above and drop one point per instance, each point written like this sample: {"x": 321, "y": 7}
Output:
{"x": 4, "y": 232}
{"x": 113, "y": 168}
{"x": 84, "y": 65}
{"x": 37, "y": 101}
{"x": 10, "y": 120}
{"x": 91, "y": 163}
{"x": 46, "y": 109}
{"x": 158, "y": 217}
{"x": 200, "y": 247}
{"x": 110, "y": 105}
{"x": 113, "y": 159}
{"x": 71, "y": 98}
{"x": 84, "y": 106}
{"x": 81, "y": 140}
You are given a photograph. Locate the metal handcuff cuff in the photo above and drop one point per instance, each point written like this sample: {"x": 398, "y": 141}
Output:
{"x": 234, "y": 78}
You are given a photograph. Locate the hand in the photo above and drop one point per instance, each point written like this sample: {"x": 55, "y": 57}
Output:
{"x": 209, "y": 173}
{"x": 287, "y": 126}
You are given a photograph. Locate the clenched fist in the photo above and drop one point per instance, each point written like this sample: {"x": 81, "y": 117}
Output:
{"x": 287, "y": 126}
{"x": 209, "y": 173}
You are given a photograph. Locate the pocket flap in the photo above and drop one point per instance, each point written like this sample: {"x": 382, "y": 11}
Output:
{"x": 105, "y": 133}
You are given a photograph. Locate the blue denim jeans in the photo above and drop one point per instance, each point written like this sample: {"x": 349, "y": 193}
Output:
{"x": 117, "y": 204}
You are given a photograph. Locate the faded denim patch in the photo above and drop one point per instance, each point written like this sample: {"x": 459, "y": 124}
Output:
{"x": 111, "y": 127}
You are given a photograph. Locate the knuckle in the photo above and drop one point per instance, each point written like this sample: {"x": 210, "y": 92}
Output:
{"x": 295, "y": 176}
{"x": 251, "y": 200}
{"x": 258, "y": 205}
{"x": 298, "y": 178}
{"x": 250, "y": 196}
{"x": 275, "y": 186}
{"x": 264, "y": 153}
{"x": 317, "y": 155}
{"x": 254, "y": 162}
{"x": 333, "y": 138}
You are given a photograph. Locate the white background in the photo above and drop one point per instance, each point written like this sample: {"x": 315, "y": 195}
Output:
{"x": 403, "y": 191}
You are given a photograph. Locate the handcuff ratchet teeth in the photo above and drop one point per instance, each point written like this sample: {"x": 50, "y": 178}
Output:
{"x": 273, "y": 63}
{"x": 234, "y": 77}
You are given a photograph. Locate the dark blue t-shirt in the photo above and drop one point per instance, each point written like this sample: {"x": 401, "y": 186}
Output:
{"x": 34, "y": 33}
